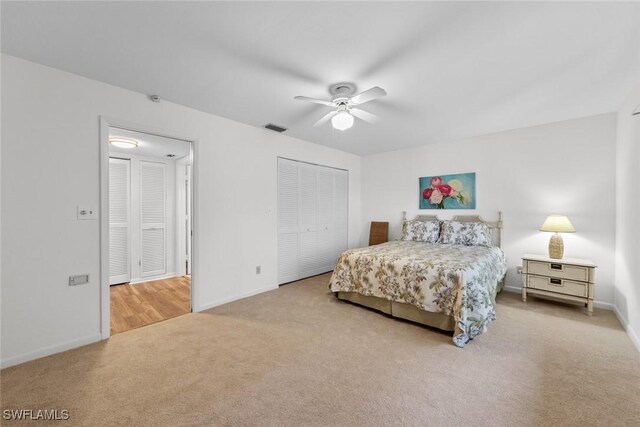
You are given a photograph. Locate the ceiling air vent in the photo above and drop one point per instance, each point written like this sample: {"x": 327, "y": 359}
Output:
{"x": 274, "y": 128}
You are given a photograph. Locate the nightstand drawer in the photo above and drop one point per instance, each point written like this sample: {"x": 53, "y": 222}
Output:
{"x": 563, "y": 286}
{"x": 562, "y": 271}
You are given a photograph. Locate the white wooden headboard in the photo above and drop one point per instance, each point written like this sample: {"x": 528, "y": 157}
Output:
{"x": 496, "y": 226}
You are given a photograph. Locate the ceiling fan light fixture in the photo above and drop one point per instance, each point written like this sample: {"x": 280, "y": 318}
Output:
{"x": 342, "y": 121}
{"x": 123, "y": 142}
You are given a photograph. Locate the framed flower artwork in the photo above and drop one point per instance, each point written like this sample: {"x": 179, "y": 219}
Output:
{"x": 448, "y": 191}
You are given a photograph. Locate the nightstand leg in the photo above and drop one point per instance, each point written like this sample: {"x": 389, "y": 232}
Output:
{"x": 590, "y": 307}
{"x": 524, "y": 294}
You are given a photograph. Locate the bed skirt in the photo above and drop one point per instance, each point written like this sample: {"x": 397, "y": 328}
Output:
{"x": 400, "y": 310}
{"x": 405, "y": 311}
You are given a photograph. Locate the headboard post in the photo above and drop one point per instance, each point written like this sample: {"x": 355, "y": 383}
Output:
{"x": 499, "y": 227}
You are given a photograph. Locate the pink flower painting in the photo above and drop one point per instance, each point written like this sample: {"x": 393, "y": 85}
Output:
{"x": 448, "y": 191}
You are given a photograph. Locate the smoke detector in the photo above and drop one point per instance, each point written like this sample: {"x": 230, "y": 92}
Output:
{"x": 154, "y": 98}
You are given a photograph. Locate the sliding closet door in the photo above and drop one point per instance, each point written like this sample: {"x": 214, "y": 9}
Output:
{"x": 152, "y": 219}
{"x": 119, "y": 218}
{"x": 288, "y": 221}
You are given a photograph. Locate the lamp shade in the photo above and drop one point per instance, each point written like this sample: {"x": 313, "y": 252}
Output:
{"x": 558, "y": 224}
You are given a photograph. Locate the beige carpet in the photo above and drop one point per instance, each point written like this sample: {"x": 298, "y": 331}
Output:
{"x": 297, "y": 356}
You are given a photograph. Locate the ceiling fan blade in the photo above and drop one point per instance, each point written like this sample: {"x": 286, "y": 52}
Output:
{"x": 317, "y": 101}
{"x": 326, "y": 118}
{"x": 364, "y": 115}
{"x": 368, "y": 95}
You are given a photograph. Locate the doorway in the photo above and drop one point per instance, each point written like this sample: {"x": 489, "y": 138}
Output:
{"x": 149, "y": 197}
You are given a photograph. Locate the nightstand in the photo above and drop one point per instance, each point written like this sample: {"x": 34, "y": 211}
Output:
{"x": 567, "y": 279}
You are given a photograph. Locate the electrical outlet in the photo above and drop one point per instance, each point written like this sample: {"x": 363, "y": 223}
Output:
{"x": 258, "y": 269}
{"x": 86, "y": 213}
{"x": 519, "y": 270}
{"x": 79, "y": 279}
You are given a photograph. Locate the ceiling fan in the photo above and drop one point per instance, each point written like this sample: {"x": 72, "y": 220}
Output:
{"x": 345, "y": 105}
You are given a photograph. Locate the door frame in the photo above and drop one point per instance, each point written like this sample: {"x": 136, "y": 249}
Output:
{"x": 105, "y": 296}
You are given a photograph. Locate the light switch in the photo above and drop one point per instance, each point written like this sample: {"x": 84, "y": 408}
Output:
{"x": 87, "y": 213}
{"x": 80, "y": 279}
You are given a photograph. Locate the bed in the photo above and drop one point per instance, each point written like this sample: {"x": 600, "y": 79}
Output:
{"x": 429, "y": 279}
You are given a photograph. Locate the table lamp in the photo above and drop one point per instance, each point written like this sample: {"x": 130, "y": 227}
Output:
{"x": 557, "y": 224}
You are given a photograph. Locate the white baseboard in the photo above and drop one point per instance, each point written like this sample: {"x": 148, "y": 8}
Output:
{"x": 633, "y": 336}
{"x": 216, "y": 303}
{"x": 150, "y": 279}
{"x": 598, "y": 304}
{"x": 47, "y": 351}
{"x": 514, "y": 289}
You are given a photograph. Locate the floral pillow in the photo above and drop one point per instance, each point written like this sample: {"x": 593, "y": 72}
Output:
{"x": 466, "y": 233}
{"x": 421, "y": 231}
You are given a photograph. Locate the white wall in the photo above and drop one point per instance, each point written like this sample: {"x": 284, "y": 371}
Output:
{"x": 627, "y": 295}
{"x": 50, "y": 164}
{"x": 566, "y": 167}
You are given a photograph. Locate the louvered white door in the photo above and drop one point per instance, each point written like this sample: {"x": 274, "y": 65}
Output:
{"x": 119, "y": 218}
{"x": 288, "y": 220}
{"x": 152, "y": 219}
{"x": 308, "y": 236}
{"x": 326, "y": 223}
{"x": 340, "y": 212}
{"x": 312, "y": 219}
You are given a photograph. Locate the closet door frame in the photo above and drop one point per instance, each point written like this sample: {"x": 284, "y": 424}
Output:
{"x": 346, "y": 229}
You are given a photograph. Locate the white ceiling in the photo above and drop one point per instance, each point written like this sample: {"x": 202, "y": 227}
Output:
{"x": 150, "y": 145}
{"x": 451, "y": 69}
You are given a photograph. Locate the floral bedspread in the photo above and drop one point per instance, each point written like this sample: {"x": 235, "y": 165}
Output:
{"x": 455, "y": 280}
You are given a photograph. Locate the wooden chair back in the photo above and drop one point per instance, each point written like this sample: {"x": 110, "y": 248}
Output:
{"x": 379, "y": 233}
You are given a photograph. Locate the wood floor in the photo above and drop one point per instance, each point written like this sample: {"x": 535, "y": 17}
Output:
{"x": 133, "y": 306}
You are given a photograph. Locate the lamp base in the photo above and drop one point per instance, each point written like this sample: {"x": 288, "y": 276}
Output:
{"x": 556, "y": 247}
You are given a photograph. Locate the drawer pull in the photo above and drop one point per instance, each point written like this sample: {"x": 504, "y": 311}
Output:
{"x": 556, "y": 267}
{"x": 557, "y": 282}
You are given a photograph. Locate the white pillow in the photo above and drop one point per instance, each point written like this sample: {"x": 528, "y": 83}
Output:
{"x": 466, "y": 233}
{"x": 421, "y": 231}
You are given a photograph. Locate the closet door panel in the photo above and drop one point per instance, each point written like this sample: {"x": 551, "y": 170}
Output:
{"x": 153, "y": 251}
{"x": 326, "y": 225}
{"x": 119, "y": 221}
{"x": 341, "y": 212}
{"x": 288, "y": 220}
{"x": 308, "y": 202}
{"x": 152, "y": 219}
{"x": 307, "y": 239}
{"x": 325, "y": 198}
{"x": 308, "y": 253}
{"x": 326, "y": 250}
{"x": 288, "y": 259}
{"x": 288, "y": 196}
